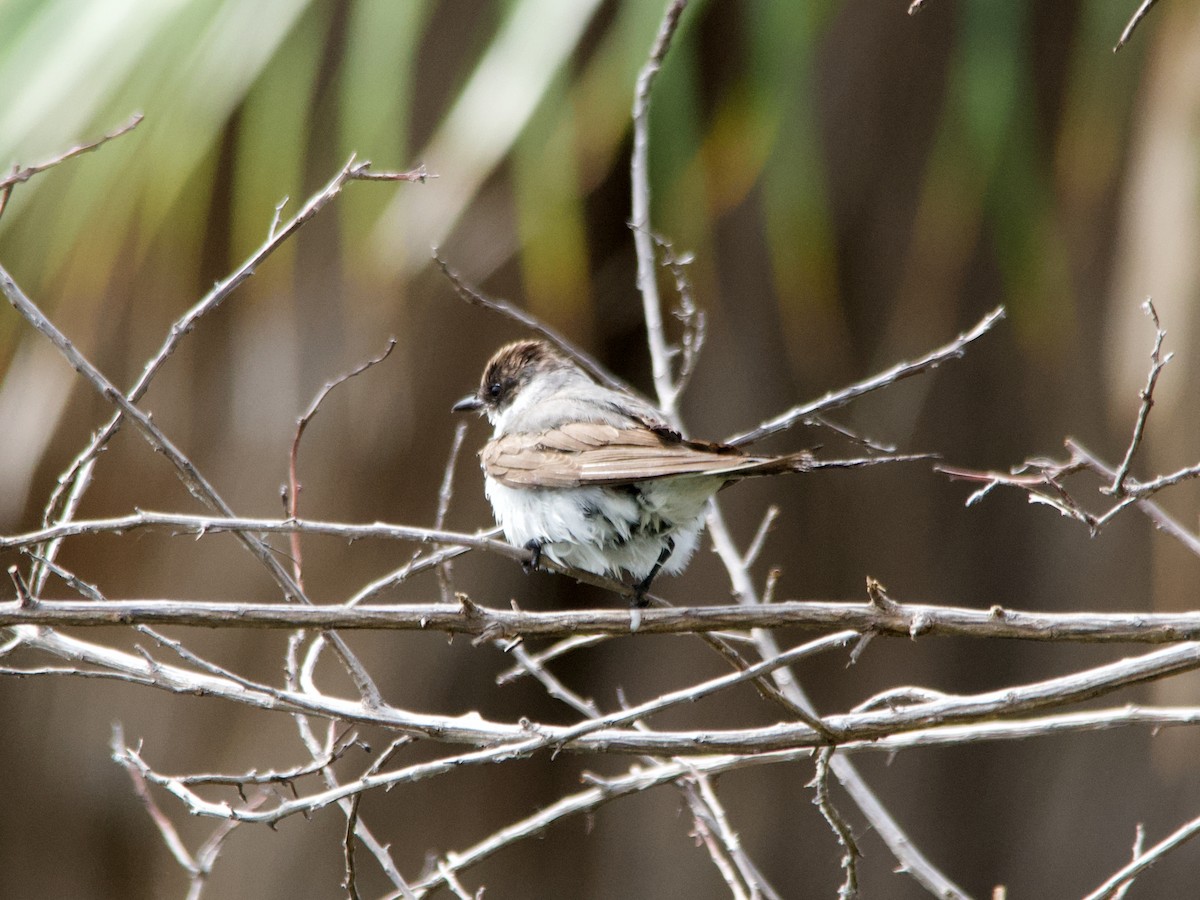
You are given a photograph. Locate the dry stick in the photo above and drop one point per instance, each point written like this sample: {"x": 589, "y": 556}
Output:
{"x": 1161, "y": 518}
{"x": 845, "y": 837}
{"x": 695, "y": 322}
{"x": 504, "y": 308}
{"x": 175, "y": 844}
{"x": 639, "y": 167}
{"x": 1121, "y": 879}
{"x": 73, "y": 483}
{"x": 81, "y": 587}
{"x": 1138, "y": 15}
{"x": 379, "y": 850}
{"x": 76, "y": 480}
{"x": 1157, "y": 362}
{"x": 874, "y": 727}
{"x": 345, "y": 741}
{"x": 351, "y": 882}
{"x": 294, "y": 487}
{"x": 585, "y": 627}
{"x": 1043, "y": 479}
{"x": 1139, "y": 843}
{"x": 835, "y": 399}
{"x": 445, "y": 493}
{"x": 909, "y": 857}
{"x": 350, "y": 807}
{"x": 588, "y": 801}
{"x": 730, "y": 838}
{"x": 19, "y": 175}
{"x": 416, "y": 565}
{"x": 696, "y": 692}
{"x": 198, "y": 865}
{"x": 200, "y": 526}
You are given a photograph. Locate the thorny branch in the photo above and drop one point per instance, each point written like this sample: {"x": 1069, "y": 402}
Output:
{"x": 582, "y": 627}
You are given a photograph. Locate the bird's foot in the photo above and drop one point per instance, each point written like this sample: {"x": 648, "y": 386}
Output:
{"x": 535, "y": 561}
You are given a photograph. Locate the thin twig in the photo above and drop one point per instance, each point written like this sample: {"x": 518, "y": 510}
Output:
{"x": 841, "y": 831}
{"x": 504, "y": 308}
{"x": 647, "y": 277}
{"x": 293, "y": 456}
{"x": 898, "y": 372}
{"x": 81, "y": 587}
{"x": 1138, "y": 15}
{"x": 1163, "y": 520}
{"x": 1127, "y": 873}
{"x": 445, "y": 493}
{"x": 20, "y": 175}
{"x": 1157, "y": 362}
{"x": 695, "y": 322}
{"x": 351, "y": 882}
{"x": 759, "y": 540}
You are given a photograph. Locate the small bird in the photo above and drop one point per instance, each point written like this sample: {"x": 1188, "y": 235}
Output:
{"x": 595, "y": 478}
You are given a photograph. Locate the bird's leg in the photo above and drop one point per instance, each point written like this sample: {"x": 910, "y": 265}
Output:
{"x": 642, "y": 587}
{"x": 534, "y": 547}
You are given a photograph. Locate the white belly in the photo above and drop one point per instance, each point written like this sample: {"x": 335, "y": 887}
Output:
{"x": 607, "y": 529}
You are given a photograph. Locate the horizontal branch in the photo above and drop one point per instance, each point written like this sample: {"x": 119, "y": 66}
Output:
{"x": 896, "y": 619}
{"x": 642, "y": 778}
{"x": 202, "y": 525}
{"x": 504, "y": 740}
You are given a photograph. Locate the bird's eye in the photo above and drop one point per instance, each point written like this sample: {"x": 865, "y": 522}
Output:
{"x": 494, "y": 390}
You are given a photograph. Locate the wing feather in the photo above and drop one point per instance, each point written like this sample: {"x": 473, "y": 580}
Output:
{"x": 585, "y": 453}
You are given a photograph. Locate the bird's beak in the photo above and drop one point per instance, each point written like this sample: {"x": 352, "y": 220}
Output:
{"x": 469, "y": 403}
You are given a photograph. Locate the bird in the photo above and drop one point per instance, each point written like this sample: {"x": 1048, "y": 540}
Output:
{"x": 595, "y": 478}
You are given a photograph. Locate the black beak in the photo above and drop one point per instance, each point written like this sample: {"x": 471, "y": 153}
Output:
{"x": 469, "y": 403}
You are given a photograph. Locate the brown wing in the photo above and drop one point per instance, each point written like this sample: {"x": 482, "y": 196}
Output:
{"x": 583, "y": 453}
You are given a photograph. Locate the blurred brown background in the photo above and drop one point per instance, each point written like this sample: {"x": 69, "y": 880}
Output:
{"x": 856, "y": 185}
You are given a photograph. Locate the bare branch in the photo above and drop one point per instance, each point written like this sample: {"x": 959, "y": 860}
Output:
{"x": 899, "y": 372}
{"x": 845, "y": 837}
{"x": 1157, "y": 362}
{"x": 586, "y": 626}
{"x": 1161, "y": 518}
{"x": 534, "y": 324}
{"x": 301, "y": 425}
{"x": 643, "y": 241}
{"x": 1141, "y": 862}
{"x": 1138, "y": 15}
{"x": 21, "y": 175}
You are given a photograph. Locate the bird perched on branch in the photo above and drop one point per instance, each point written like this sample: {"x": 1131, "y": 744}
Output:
{"x": 592, "y": 477}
